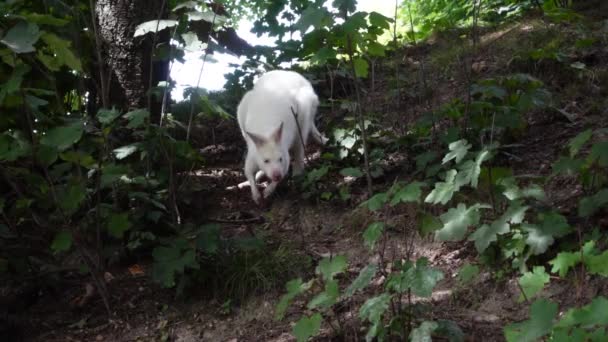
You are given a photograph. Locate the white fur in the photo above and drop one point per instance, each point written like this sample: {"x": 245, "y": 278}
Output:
{"x": 269, "y": 127}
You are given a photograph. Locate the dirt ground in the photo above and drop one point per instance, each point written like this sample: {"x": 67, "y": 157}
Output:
{"x": 144, "y": 312}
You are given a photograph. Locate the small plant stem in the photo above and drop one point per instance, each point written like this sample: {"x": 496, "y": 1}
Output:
{"x": 295, "y": 117}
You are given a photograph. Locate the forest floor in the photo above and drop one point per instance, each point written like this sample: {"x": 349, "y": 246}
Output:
{"x": 316, "y": 228}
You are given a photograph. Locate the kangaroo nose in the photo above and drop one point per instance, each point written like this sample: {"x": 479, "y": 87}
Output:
{"x": 276, "y": 176}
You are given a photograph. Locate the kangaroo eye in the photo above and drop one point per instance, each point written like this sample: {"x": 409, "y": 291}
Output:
{"x": 266, "y": 161}
{"x": 281, "y": 160}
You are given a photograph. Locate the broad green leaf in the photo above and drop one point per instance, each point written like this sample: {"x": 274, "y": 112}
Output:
{"x": 352, "y": 172}
{"x": 112, "y": 173}
{"x": 71, "y": 196}
{"x": 118, "y": 224}
{"x": 567, "y": 166}
{"x": 375, "y": 49}
{"x": 449, "y": 330}
{"x": 467, "y": 273}
{"x": 107, "y": 116}
{"x": 307, "y": 327}
{"x": 373, "y": 308}
{"x": 579, "y": 141}
{"x": 486, "y": 234}
{"x": 599, "y": 153}
{"x": 458, "y": 150}
{"x": 13, "y": 84}
{"x": 125, "y": 151}
{"x": 22, "y": 37}
{"x": 456, "y": 222}
{"x": 470, "y": 170}
{"x": 564, "y": 261}
{"x": 208, "y": 238}
{"x": 63, "y": 137}
{"x": 443, "y": 191}
{"x": 409, "y": 193}
{"x": 429, "y": 224}
{"x": 420, "y": 278}
{"x": 153, "y": 25}
{"x": 294, "y": 288}
{"x": 542, "y": 313}
{"x": 137, "y": 118}
{"x": 315, "y": 16}
{"x": 377, "y": 19}
{"x": 172, "y": 260}
{"x": 14, "y": 146}
{"x": 533, "y": 282}
{"x": 423, "y": 159}
{"x": 363, "y": 279}
{"x": 327, "y": 298}
{"x": 361, "y": 67}
{"x": 513, "y": 192}
{"x": 538, "y": 240}
{"x": 598, "y": 264}
{"x": 376, "y": 202}
{"x": 423, "y": 332}
{"x": 593, "y": 314}
{"x": 79, "y": 158}
{"x": 329, "y": 267}
{"x": 62, "y": 51}
{"x": 46, "y": 155}
{"x": 372, "y": 234}
{"x": 590, "y": 205}
{"x": 554, "y": 223}
{"x": 323, "y": 55}
{"x": 62, "y": 241}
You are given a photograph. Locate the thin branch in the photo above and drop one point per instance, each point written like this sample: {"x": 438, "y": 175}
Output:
{"x": 104, "y": 84}
{"x": 295, "y": 117}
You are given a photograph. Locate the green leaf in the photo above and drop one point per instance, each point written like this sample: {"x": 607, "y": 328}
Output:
{"x": 590, "y": 205}
{"x": 361, "y": 67}
{"x": 107, "y": 116}
{"x": 458, "y": 150}
{"x": 564, "y": 261}
{"x": 376, "y": 202}
{"x": 62, "y": 51}
{"x": 373, "y": 308}
{"x": 513, "y": 192}
{"x": 71, "y": 197}
{"x": 79, "y": 158}
{"x": 429, "y": 224}
{"x": 579, "y": 141}
{"x": 63, "y": 137}
{"x": 329, "y": 267}
{"x": 486, "y": 234}
{"x": 554, "y": 223}
{"x": 375, "y": 49}
{"x": 14, "y": 82}
{"x": 593, "y": 314}
{"x": 327, "y": 298}
{"x": 208, "y": 238}
{"x": 118, "y": 224}
{"x": 599, "y": 153}
{"x": 62, "y": 241}
{"x": 22, "y": 37}
{"x": 598, "y": 264}
{"x": 537, "y": 239}
{"x": 46, "y": 155}
{"x": 307, "y": 327}
{"x": 172, "y": 260}
{"x": 533, "y": 282}
{"x": 137, "y": 118}
{"x": 423, "y": 159}
{"x": 207, "y": 16}
{"x": 420, "y": 278}
{"x": 443, "y": 191}
{"x": 456, "y": 222}
{"x": 423, "y": 333}
{"x": 469, "y": 171}
{"x": 363, "y": 279}
{"x": 125, "y": 151}
{"x": 315, "y": 16}
{"x": 111, "y": 173}
{"x": 294, "y": 288}
{"x": 567, "y": 166}
{"x": 372, "y": 234}
{"x": 351, "y": 172}
{"x": 409, "y": 193}
{"x": 542, "y": 313}
{"x": 468, "y": 273}
{"x": 152, "y": 25}
{"x": 378, "y": 20}
{"x": 14, "y": 146}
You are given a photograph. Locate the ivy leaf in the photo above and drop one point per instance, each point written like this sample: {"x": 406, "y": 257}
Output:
{"x": 22, "y": 37}
{"x": 361, "y": 67}
{"x": 456, "y": 221}
{"x": 62, "y": 241}
{"x": 542, "y": 313}
{"x": 443, "y": 191}
{"x": 590, "y": 205}
{"x": 598, "y": 264}
{"x": 307, "y": 327}
{"x": 118, "y": 224}
{"x": 351, "y": 172}
{"x": 372, "y": 234}
{"x": 564, "y": 261}
{"x": 376, "y": 202}
{"x": 125, "y": 151}
{"x": 487, "y": 234}
{"x": 429, "y": 224}
{"x": 327, "y": 298}
{"x": 62, "y": 51}
{"x": 599, "y": 153}
{"x": 172, "y": 260}
{"x": 137, "y": 118}
{"x": 579, "y": 141}
{"x": 458, "y": 150}
{"x": 409, "y": 193}
{"x": 423, "y": 332}
{"x": 152, "y": 25}
{"x": 363, "y": 279}
{"x": 63, "y": 137}
{"x": 329, "y": 267}
{"x": 294, "y": 288}
{"x": 533, "y": 282}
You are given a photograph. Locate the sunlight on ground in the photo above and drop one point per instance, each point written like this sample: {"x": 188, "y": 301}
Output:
{"x": 186, "y": 74}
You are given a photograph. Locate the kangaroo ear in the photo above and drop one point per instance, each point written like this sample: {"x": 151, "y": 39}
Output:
{"x": 278, "y": 133}
{"x": 257, "y": 139}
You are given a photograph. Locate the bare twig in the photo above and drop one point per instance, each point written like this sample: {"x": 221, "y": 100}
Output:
{"x": 295, "y": 117}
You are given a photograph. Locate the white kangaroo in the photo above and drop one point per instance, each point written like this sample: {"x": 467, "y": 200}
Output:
{"x": 266, "y": 118}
